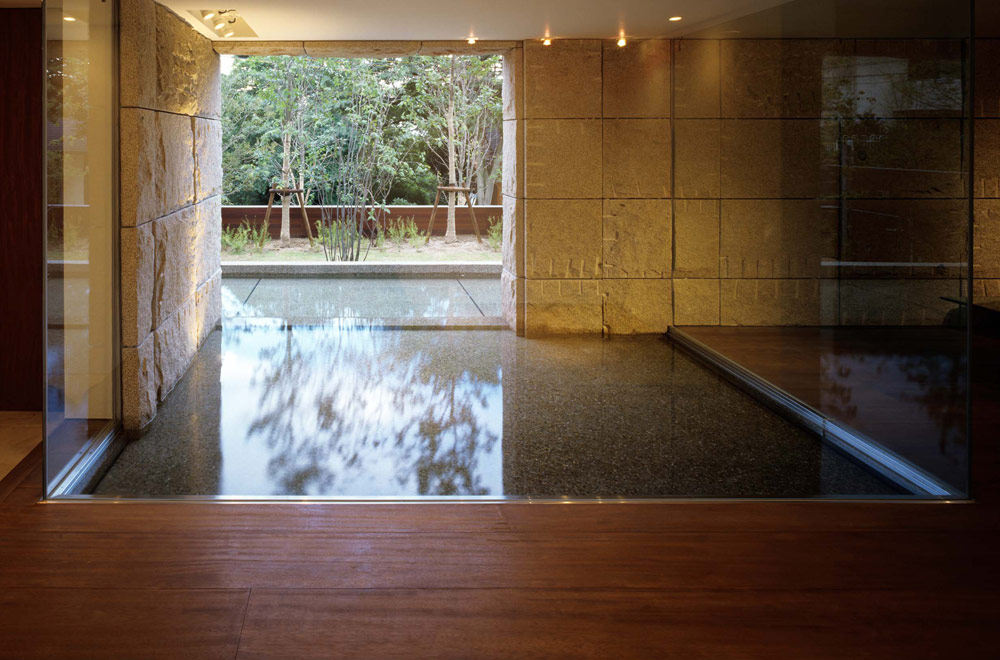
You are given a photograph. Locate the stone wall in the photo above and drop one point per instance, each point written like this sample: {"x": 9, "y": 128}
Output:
{"x": 797, "y": 157}
{"x": 986, "y": 185}
{"x": 587, "y": 187}
{"x": 171, "y": 180}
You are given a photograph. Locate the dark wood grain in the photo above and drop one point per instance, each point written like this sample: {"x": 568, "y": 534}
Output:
{"x": 521, "y": 624}
{"x": 120, "y": 623}
{"x": 21, "y": 232}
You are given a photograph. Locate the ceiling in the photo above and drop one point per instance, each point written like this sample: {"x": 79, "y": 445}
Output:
{"x": 365, "y": 20}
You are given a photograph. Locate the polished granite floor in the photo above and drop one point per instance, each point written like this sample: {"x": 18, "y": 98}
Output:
{"x": 275, "y": 405}
{"x": 904, "y": 387}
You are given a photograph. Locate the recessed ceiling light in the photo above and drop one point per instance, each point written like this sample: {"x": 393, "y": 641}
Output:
{"x": 676, "y": 18}
{"x": 230, "y": 33}
{"x": 472, "y": 40}
{"x": 546, "y": 41}
{"x": 220, "y": 25}
{"x": 621, "y": 42}
{"x": 69, "y": 19}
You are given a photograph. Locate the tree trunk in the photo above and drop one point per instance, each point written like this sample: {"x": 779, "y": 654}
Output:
{"x": 450, "y": 235}
{"x": 286, "y": 156}
{"x": 286, "y": 166}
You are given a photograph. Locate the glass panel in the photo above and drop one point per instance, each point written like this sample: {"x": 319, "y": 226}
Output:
{"x": 843, "y": 216}
{"x": 80, "y": 123}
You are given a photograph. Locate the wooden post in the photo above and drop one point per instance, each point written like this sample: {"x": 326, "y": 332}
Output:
{"x": 430, "y": 223}
{"x": 468, "y": 201}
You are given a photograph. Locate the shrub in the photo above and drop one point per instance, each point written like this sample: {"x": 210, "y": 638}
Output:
{"x": 494, "y": 235}
{"x": 247, "y": 235}
{"x": 235, "y": 239}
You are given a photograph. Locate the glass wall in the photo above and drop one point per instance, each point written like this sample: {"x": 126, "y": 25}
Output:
{"x": 81, "y": 355}
{"x": 822, "y": 159}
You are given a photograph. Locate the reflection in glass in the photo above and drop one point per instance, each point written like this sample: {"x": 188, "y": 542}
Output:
{"x": 80, "y": 118}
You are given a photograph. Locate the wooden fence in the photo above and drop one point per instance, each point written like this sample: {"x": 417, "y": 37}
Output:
{"x": 232, "y": 216}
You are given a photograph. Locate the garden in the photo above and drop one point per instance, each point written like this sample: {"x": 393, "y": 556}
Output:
{"x": 339, "y": 159}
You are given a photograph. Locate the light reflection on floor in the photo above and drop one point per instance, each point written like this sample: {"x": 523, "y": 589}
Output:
{"x": 347, "y": 408}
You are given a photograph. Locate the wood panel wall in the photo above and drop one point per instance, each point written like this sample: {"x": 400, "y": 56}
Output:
{"x": 21, "y": 230}
{"x": 232, "y": 216}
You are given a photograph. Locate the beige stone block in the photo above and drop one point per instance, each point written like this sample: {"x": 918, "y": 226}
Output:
{"x": 563, "y": 238}
{"x": 512, "y": 300}
{"x": 636, "y": 306}
{"x": 176, "y": 344}
{"x": 987, "y": 159}
{"x": 637, "y": 158}
{"x": 208, "y": 306}
{"x": 188, "y": 77}
{"x": 265, "y": 48}
{"x": 513, "y": 84}
{"x": 177, "y": 262}
{"x": 463, "y": 47}
{"x": 207, "y": 157}
{"x": 563, "y": 158}
{"x": 137, "y": 68}
{"x": 903, "y": 158}
{"x": 157, "y": 164}
{"x": 771, "y": 78}
{"x": 896, "y": 302}
{"x": 139, "y": 393}
{"x": 556, "y": 307}
{"x": 778, "y": 302}
{"x": 895, "y": 238}
{"x": 778, "y": 159}
{"x": 767, "y": 238}
{"x": 361, "y": 48}
{"x": 696, "y": 78}
{"x": 562, "y": 81}
{"x": 513, "y": 235}
{"x": 137, "y": 277}
{"x": 637, "y": 79}
{"x": 697, "y": 158}
{"x": 696, "y": 302}
{"x": 987, "y": 94}
{"x": 636, "y": 238}
{"x": 513, "y": 177}
{"x": 986, "y": 240}
{"x": 206, "y": 241}
{"x": 696, "y": 238}
{"x": 985, "y": 289}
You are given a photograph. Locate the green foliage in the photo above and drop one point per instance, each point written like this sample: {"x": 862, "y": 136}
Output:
{"x": 316, "y": 102}
{"x": 494, "y": 235}
{"x": 405, "y": 231}
{"x": 235, "y": 239}
{"x": 247, "y": 235}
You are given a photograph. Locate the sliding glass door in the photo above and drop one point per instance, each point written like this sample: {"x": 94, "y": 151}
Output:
{"x": 81, "y": 211}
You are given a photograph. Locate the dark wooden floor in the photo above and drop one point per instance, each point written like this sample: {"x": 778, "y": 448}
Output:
{"x": 686, "y": 580}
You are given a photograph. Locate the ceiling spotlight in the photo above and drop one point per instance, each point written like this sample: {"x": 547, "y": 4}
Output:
{"x": 472, "y": 40}
{"x": 220, "y": 25}
{"x": 621, "y": 42}
{"x": 546, "y": 41}
{"x": 674, "y": 19}
{"x": 69, "y": 19}
{"x": 230, "y": 33}
{"x": 207, "y": 15}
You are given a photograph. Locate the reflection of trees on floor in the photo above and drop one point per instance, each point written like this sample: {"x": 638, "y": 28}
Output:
{"x": 335, "y": 405}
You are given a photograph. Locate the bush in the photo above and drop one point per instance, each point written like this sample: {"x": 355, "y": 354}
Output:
{"x": 405, "y": 230}
{"x": 238, "y": 239}
{"x": 494, "y": 235}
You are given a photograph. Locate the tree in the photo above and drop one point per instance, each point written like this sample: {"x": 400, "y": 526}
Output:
{"x": 460, "y": 116}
